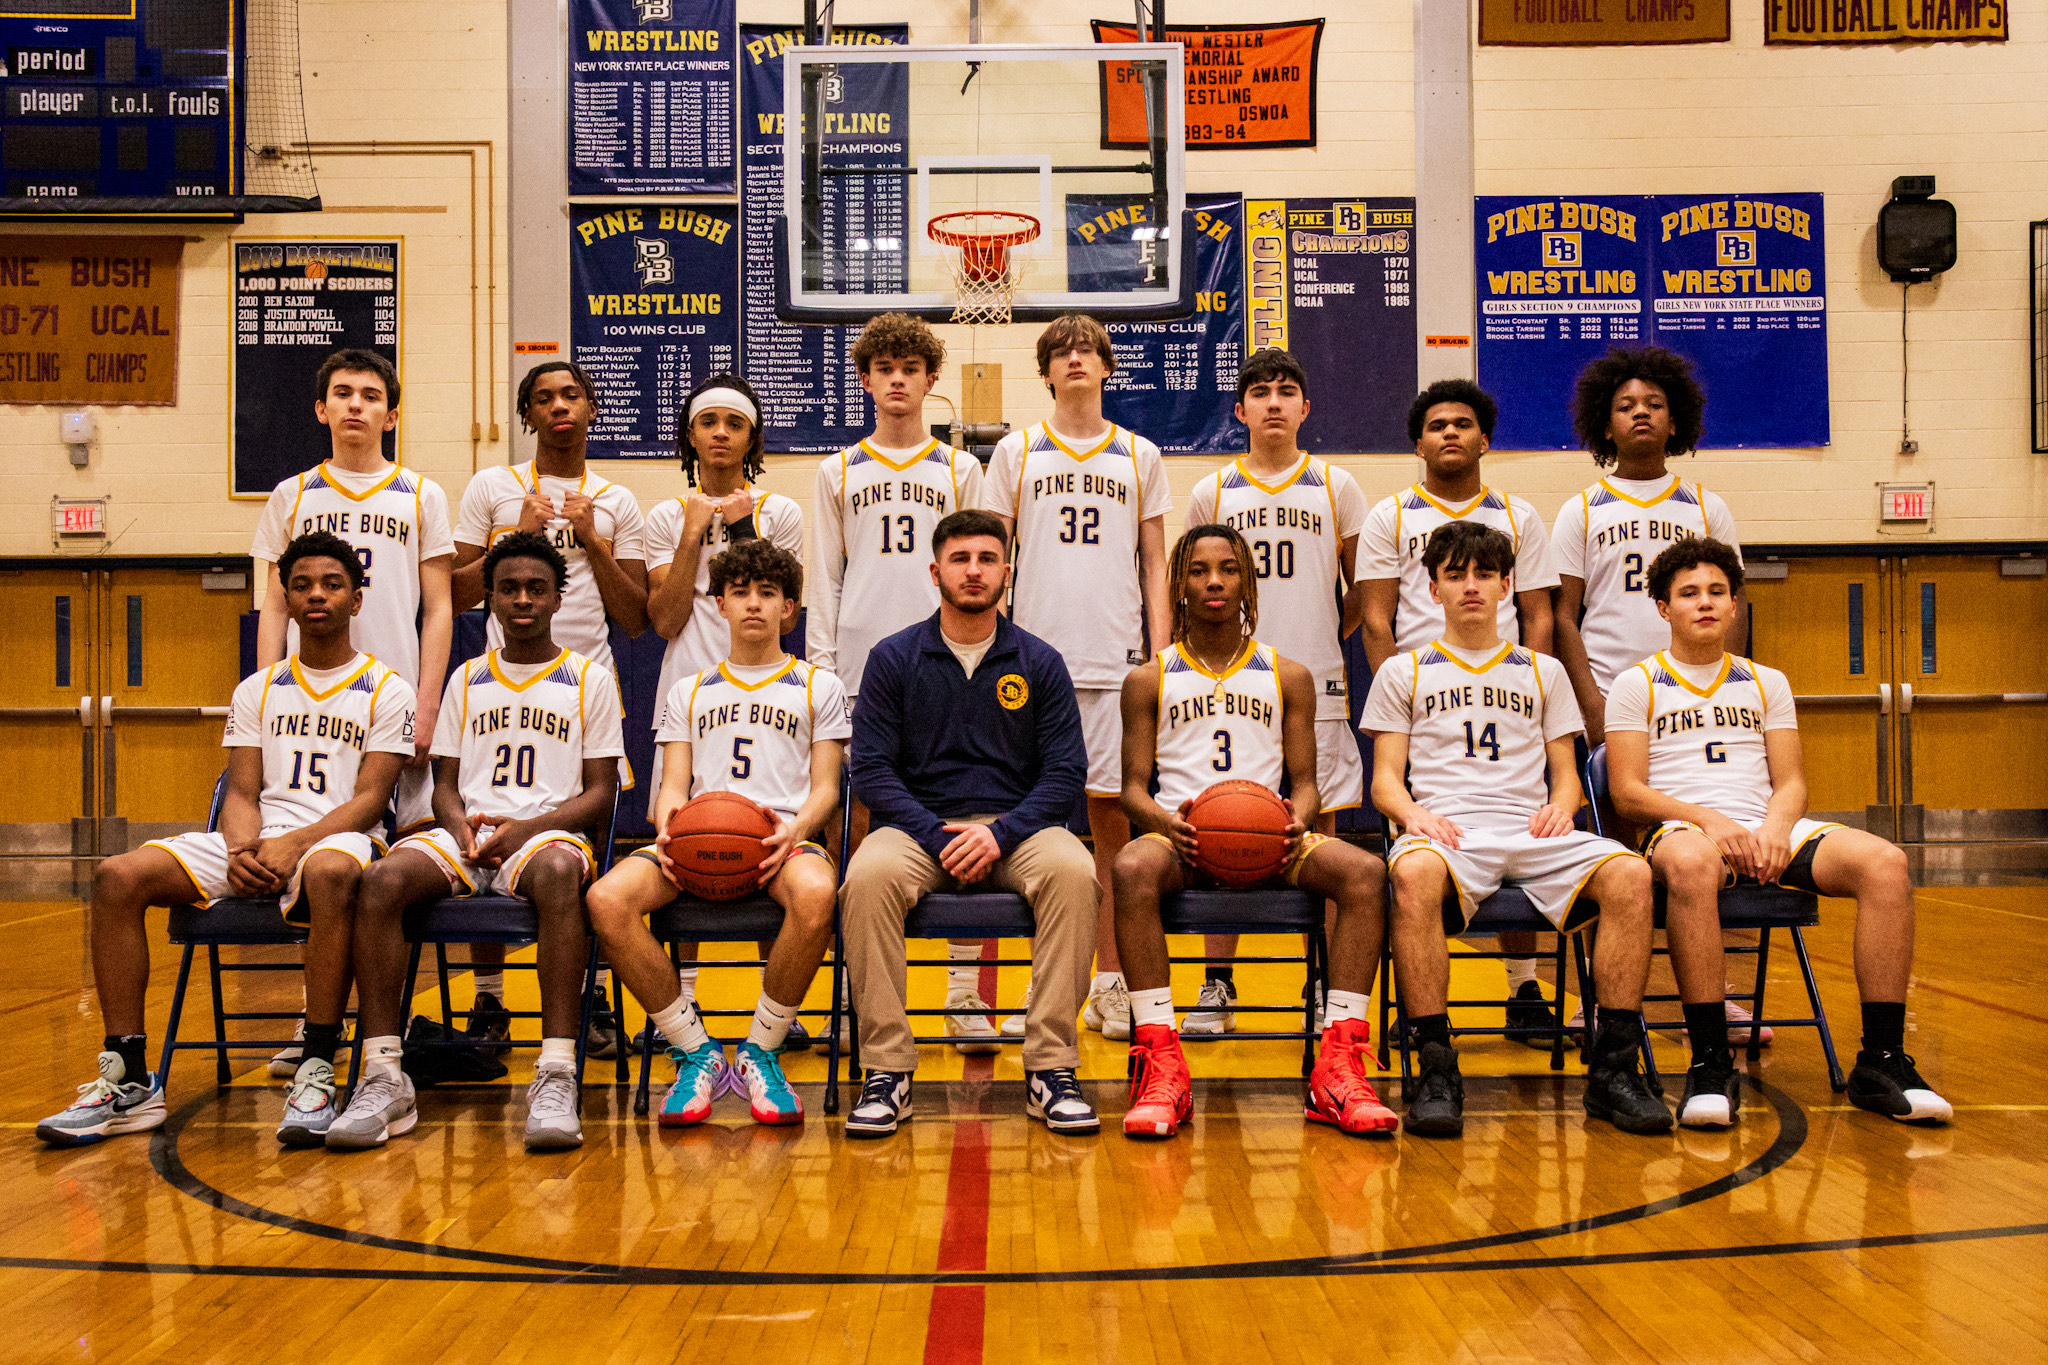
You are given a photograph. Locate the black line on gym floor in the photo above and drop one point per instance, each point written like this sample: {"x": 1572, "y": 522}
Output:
{"x": 1792, "y": 1134}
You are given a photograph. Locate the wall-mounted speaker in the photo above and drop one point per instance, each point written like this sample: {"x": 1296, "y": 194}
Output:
{"x": 1916, "y": 233}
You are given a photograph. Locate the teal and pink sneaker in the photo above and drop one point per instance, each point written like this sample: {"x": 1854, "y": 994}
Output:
{"x": 768, "y": 1089}
{"x": 700, "y": 1075}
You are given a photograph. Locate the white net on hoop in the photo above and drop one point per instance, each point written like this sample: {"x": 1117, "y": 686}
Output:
{"x": 982, "y": 296}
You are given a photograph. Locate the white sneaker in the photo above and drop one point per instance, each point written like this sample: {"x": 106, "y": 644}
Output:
{"x": 1212, "y": 1014}
{"x": 1108, "y": 1012}
{"x": 285, "y": 1064}
{"x": 974, "y": 1031}
{"x": 551, "y": 1120}
{"x": 383, "y": 1107}
{"x": 309, "y": 1109}
{"x": 1013, "y": 1024}
{"x": 1322, "y": 1007}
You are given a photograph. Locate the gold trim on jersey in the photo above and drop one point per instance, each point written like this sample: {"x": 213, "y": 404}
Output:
{"x": 371, "y": 492}
{"x": 491, "y": 662}
{"x": 788, "y": 663}
{"x": 1071, "y": 454}
{"x": 880, "y": 458}
{"x": 1270, "y": 490}
{"x": 1507, "y": 505}
{"x": 1671, "y": 671}
{"x": 1230, "y": 670}
{"x": 1676, "y": 484}
{"x": 1507, "y": 647}
{"x": 299, "y": 677}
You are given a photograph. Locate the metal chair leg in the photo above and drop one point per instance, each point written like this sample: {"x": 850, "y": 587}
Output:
{"x": 1836, "y": 1080}
{"x": 447, "y": 1002}
{"x": 837, "y": 1022}
{"x": 1763, "y": 965}
{"x": 220, "y": 1023}
{"x": 1557, "y": 1035}
{"x": 163, "y": 1066}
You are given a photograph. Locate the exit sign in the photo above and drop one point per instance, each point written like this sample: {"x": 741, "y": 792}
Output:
{"x": 1911, "y": 503}
{"x": 78, "y": 516}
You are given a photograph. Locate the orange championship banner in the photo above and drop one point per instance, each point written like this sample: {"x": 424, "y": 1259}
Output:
{"x": 89, "y": 319}
{"x": 1797, "y": 22}
{"x": 1248, "y": 85}
{"x": 1601, "y": 23}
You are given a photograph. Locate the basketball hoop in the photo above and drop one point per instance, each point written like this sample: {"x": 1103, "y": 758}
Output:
{"x": 985, "y": 274}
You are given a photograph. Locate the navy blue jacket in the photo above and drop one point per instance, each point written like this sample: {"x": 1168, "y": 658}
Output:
{"x": 931, "y": 745}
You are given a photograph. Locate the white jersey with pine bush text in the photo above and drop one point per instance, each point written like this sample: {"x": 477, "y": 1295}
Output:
{"x": 1706, "y": 725}
{"x": 314, "y": 728}
{"x": 753, "y": 734}
{"x": 522, "y": 731}
{"x": 1218, "y": 727}
{"x": 1397, "y": 530}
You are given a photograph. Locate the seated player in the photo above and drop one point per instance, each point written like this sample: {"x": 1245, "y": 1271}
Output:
{"x": 527, "y": 747}
{"x": 315, "y": 745}
{"x": 773, "y": 729}
{"x": 1703, "y": 751}
{"x": 1474, "y": 722}
{"x": 1213, "y": 706}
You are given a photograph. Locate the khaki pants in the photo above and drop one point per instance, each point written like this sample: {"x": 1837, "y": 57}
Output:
{"x": 1051, "y": 870}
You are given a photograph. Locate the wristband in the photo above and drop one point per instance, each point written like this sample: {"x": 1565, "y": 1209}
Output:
{"x": 743, "y": 529}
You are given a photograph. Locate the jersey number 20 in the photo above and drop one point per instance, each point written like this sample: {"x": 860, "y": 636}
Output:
{"x": 513, "y": 769}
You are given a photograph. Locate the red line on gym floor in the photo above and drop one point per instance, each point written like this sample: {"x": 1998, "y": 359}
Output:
{"x": 954, "y": 1327}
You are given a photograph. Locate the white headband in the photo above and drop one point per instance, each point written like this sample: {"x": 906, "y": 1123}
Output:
{"x": 730, "y": 399}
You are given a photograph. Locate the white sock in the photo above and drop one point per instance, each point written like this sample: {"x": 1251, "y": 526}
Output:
{"x": 382, "y": 1054}
{"x": 489, "y": 979}
{"x": 680, "y": 1025}
{"x": 771, "y": 1024}
{"x": 557, "y": 1054}
{"x": 1346, "y": 1005}
{"x": 1520, "y": 969}
{"x": 1151, "y": 1007}
{"x": 1104, "y": 980}
{"x": 967, "y": 977}
{"x": 686, "y": 982}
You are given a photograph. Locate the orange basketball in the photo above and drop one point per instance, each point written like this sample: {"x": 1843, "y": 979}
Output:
{"x": 1243, "y": 833}
{"x": 714, "y": 840}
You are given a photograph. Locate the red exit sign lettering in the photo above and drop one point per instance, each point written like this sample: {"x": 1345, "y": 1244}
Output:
{"x": 79, "y": 518}
{"x": 1906, "y": 502}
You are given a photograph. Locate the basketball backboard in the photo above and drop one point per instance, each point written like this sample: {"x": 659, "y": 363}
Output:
{"x": 898, "y": 136}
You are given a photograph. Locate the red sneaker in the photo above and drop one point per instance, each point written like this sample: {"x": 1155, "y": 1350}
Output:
{"x": 1338, "y": 1092}
{"x": 1162, "y": 1096}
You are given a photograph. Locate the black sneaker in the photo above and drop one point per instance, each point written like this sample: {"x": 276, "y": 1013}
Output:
{"x": 490, "y": 1023}
{"x": 1529, "y": 1011}
{"x": 884, "y": 1103}
{"x": 1617, "y": 1091}
{"x": 798, "y": 1039}
{"x": 1438, "y": 1108}
{"x": 1054, "y": 1098}
{"x": 1713, "y": 1093}
{"x": 601, "y": 1039}
{"x": 1887, "y": 1083}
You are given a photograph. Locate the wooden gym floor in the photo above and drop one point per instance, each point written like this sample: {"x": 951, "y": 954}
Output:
{"x": 1811, "y": 1232}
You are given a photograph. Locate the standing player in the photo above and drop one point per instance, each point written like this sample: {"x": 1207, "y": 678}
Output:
{"x": 1451, "y": 423}
{"x": 1703, "y": 751}
{"x": 597, "y": 527}
{"x": 1217, "y": 705}
{"x": 1634, "y": 409}
{"x": 1302, "y": 519}
{"x": 529, "y": 743}
{"x": 876, "y": 505}
{"x": 315, "y": 745}
{"x": 1466, "y": 731}
{"x": 721, "y": 449}
{"x": 397, "y": 522}
{"x": 773, "y": 729}
{"x": 1087, "y": 503}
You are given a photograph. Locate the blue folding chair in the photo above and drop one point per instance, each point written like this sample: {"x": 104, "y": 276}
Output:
{"x": 1746, "y": 906}
{"x": 1267, "y": 910}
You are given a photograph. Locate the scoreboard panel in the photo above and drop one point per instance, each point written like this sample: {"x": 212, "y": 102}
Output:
{"x": 120, "y": 108}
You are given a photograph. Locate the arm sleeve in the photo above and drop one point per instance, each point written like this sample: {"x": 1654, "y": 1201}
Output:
{"x": 449, "y": 723}
{"x": 473, "y": 517}
{"x": 1350, "y": 500}
{"x": 1568, "y": 542}
{"x": 271, "y": 531}
{"x": 1158, "y": 494}
{"x": 1533, "y": 566}
{"x": 1721, "y": 522}
{"x": 999, "y": 489}
{"x": 1780, "y": 713}
{"x": 245, "y": 721}
{"x": 1389, "y": 706}
{"x": 972, "y": 492}
{"x": 1628, "y": 702}
{"x": 828, "y": 708}
{"x": 877, "y": 734}
{"x": 603, "y": 714}
{"x": 391, "y": 717}
{"x": 821, "y": 622}
{"x": 1378, "y": 554}
{"x": 629, "y": 529}
{"x": 436, "y": 539}
{"x": 1062, "y": 756}
{"x": 1561, "y": 714}
{"x": 1202, "y": 502}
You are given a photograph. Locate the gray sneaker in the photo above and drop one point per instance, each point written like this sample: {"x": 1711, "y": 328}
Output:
{"x": 110, "y": 1105}
{"x": 551, "y": 1121}
{"x": 309, "y": 1108}
{"x": 1213, "y": 1014}
{"x": 383, "y": 1107}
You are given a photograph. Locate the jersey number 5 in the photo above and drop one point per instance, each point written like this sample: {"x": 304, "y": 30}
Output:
{"x": 742, "y": 761}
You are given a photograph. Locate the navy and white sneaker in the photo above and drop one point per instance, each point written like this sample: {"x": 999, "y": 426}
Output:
{"x": 107, "y": 1107}
{"x": 884, "y": 1103}
{"x": 1054, "y": 1098}
{"x": 1884, "y": 1083}
{"x": 309, "y": 1109}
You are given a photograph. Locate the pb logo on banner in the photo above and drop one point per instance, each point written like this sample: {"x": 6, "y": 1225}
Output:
{"x": 651, "y": 261}
{"x": 1735, "y": 248}
{"x": 1562, "y": 249}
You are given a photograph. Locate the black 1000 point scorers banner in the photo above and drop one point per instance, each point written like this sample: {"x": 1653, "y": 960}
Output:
{"x": 1175, "y": 382}
{"x": 296, "y": 303}
{"x": 651, "y": 95}
{"x": 1735, "y": 283}
{"x": 653, "y": 309}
